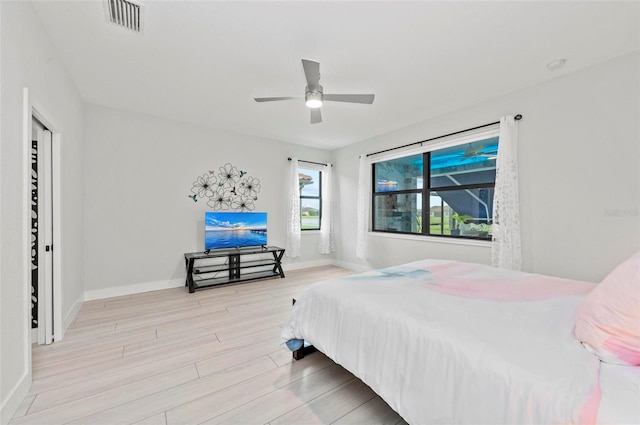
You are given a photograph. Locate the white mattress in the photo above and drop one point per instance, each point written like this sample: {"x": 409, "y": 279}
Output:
{"x": 448, "y": 342}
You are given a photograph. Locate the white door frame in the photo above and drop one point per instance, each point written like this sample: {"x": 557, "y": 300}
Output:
{"x": 32, "y": 109}
{"x": 45, "y": 237}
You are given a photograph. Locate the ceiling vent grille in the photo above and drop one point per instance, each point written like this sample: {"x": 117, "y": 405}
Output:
{"x": 125, "y": 14}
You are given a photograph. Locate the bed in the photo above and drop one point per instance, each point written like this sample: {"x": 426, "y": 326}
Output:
{"x": 453, "y": 342}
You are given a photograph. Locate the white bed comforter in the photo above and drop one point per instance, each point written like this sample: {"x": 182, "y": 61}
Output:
{"x": 448, "y": 342}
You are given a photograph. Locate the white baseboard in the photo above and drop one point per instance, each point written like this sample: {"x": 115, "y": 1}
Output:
{"x": 13, "y": 400}
{"x": 306, "y": 264}
{"x": 352, "y": 266}
{"x": 136, "y": 288}
{"x": 71, "y": 315}
{"x": 65, "y": 323}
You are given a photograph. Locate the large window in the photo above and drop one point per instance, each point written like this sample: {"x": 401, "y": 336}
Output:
{"x": 310, "y": 198}
{"x": 446, "y": 192}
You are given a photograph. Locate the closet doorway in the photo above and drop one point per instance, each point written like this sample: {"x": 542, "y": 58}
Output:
{"x": 44, "y": 222}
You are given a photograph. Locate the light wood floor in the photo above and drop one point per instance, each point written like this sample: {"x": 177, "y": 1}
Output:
{"x": 214, "y": 357}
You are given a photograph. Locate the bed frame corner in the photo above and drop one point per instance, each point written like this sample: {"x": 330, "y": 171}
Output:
{"x": 304, "y": 350}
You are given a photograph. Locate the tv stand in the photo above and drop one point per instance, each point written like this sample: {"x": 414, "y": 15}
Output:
{"x": 235, "y": 265}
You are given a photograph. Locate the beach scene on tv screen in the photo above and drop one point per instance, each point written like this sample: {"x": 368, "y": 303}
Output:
{"x": 235, "y": 229}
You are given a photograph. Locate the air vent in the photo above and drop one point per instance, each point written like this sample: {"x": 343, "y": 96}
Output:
{"x": 125, "y": 13}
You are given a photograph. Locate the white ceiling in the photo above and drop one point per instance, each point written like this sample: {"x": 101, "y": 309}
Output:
{"x": 204, "y": 61}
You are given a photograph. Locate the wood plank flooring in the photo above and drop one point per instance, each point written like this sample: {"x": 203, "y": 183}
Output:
{"x": 169, "y": 357}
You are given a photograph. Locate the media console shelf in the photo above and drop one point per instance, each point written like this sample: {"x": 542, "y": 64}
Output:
{"x": 232, "y": 266}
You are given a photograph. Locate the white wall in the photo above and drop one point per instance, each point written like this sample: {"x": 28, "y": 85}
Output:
{"x": 127, "y": 219}
{"x": 139, "y": 171}
{"x": 28, "y": 60}
{"x": 579, "y": 166}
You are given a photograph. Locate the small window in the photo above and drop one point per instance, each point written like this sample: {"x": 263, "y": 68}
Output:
{"x": 310, "y": 198}
{"x": 445, "y": 192}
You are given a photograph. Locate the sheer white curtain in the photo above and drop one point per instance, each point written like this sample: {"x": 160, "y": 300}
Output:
{"x": 326, "y": 222}
{"x": 505, "y": 247}
{"x": 363, "y": 206}
{"x": 292, "y": 247}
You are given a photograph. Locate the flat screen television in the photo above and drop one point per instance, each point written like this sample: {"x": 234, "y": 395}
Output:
{"x": 234, "y": 229}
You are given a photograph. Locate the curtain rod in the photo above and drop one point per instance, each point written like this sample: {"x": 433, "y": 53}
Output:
{"x": 517, "y": 118}
{"x": 311, "y": 162}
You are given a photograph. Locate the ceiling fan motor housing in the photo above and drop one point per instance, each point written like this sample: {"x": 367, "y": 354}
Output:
{"x": 313, "y": 98}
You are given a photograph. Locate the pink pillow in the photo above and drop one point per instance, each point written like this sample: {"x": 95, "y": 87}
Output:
{"x": 608, "y": 320}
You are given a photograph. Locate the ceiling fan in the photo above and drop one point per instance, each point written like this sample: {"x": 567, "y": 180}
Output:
{"x": 314, "y": 96}
{"x": 483, "y": 151}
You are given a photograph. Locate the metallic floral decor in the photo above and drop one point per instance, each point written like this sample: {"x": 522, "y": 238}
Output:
{"x": 229, "y": 189}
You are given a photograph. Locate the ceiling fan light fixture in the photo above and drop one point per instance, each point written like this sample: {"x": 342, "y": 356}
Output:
{"x": 314, "y": 103}
{"x": 313, "y": 99}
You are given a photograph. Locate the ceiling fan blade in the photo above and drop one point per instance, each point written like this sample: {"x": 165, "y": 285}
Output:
{"x": 352, "y": 98}
{"x": 316, "y": 116}
{"x": 271, "y": 99}
{"x": 312, "y": 73}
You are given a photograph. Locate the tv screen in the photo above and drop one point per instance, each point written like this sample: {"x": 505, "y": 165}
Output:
{"x": 234, "y": 229}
